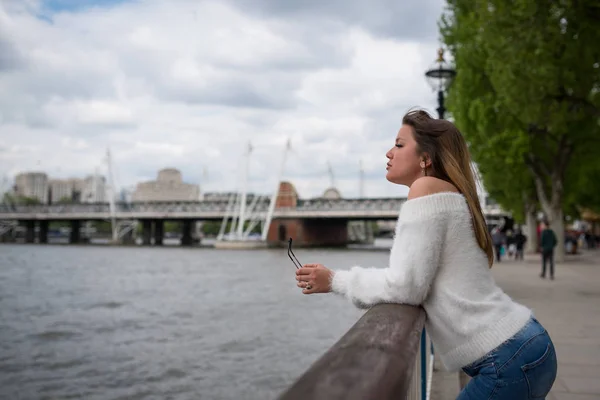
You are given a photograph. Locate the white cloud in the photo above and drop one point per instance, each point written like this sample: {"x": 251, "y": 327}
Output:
{"x": 187, "y": 84}
{"x": 88, "y": 112}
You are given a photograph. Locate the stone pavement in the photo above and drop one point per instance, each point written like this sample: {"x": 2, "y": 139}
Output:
{"x": 569, "y": 308}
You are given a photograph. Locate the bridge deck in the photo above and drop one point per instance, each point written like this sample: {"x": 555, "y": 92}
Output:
{"x": 385, "y": 208}
{"x": 359, "y": 209}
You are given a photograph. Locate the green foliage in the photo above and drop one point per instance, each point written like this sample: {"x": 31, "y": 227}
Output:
{"x": 104, "y": 226}
{"x": 59, "y": 224}
{"x": 582, "y": 189}
{"x": 29, "y": 201}
{"x": 527, "y": 96}
{"x": 65, "y": 200}
{"x": 172, "y": 227}
{"x": 8, "y": 198}
{"x": 11, "y": 198}
{"x": 211, "y": 228}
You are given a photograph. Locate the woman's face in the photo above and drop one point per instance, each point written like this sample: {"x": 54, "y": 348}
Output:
{"x": 404, "y": 165}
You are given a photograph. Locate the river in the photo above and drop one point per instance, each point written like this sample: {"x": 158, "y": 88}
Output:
{"x": 100, "y": 322}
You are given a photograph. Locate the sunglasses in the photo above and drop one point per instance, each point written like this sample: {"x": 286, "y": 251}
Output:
{"x": 292, "y": 256}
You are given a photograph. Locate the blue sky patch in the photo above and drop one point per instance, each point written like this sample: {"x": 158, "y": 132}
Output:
{"x": 54, "y": 6}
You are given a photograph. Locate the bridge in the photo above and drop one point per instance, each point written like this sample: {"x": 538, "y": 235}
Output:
{"x": 310, "y": 222}
{"x": 348, "y": 209}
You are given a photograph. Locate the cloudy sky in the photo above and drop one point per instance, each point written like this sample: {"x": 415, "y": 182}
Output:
{"x": 188, "y": 83}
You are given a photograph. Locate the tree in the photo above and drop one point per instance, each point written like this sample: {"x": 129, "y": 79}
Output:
{"x": 28, "y": 201}
{"x": 507, "y": 180}
{"x": 65, "y": 200}
{"x": 172, "y": 227}
{"x": 506, "y": 177}
{"x": 211, "y": 228}
{"x": 587, "y": 193}
{"x": 8, "y": 198}
{"x": 528, "y": 73}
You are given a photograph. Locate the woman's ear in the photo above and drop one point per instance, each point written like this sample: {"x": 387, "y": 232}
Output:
{"x": 425, "y": 161}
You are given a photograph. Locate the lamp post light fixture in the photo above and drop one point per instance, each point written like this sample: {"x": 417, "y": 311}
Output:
{"x": 439, "y": 77}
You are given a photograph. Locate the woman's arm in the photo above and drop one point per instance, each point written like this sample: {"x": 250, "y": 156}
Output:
{"x": 414, "y": 258}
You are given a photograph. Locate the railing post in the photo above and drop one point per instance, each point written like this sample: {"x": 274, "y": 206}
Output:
{"x": 424, "y": 365}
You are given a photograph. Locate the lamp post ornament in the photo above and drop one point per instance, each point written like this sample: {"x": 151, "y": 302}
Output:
{"x": 440, "y": 76}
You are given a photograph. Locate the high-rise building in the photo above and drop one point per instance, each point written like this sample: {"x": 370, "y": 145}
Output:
{"x": 60, "y": 190}
{"x": 33, "y": 185}
{"x": 168, "y": 186}
{"x": 69, "y": 190}
{"x": 78, "y": 186}
{"x": 94, "y": 189}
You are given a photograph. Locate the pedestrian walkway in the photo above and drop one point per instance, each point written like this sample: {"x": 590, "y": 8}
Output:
{"x": 569, "y": 308}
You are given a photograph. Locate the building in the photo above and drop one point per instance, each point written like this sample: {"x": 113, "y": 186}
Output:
{"x": 33, "y": 185}
{"x": 65, "y": 190}
{"x": 332, "y": 194}
{"x": 94, "y": 189}
{"x": 60, "y": 190}
{"x": 168, "y": 186}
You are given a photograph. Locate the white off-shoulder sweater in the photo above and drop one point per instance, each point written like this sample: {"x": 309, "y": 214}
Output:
{"x": 435, "y": 262}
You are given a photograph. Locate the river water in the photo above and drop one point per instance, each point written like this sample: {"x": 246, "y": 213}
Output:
{"x": 99, "y": 322}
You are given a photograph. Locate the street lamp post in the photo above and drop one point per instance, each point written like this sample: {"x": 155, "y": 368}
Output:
{"x": 440, "y": 76}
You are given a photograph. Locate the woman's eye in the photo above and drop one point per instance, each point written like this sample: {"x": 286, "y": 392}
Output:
{"x": 398, "y": 145}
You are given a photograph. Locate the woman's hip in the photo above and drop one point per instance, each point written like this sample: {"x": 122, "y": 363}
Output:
{"x": 524, "y": 366}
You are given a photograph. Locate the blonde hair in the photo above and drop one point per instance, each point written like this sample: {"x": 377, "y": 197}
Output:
{"x": 451, "y": 162}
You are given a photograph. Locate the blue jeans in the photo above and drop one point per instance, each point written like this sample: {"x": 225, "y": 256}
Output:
{"x": 522, "y": 368}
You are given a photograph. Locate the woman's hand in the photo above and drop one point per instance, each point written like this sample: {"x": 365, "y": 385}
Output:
{"x": 314, "y": 278}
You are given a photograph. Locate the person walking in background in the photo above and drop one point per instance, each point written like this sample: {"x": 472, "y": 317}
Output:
{"x": 547, "y": 242}
{"x": 520, "y": 241}
{"x": 510, "y": 244}
{"x": 498, "y": 241}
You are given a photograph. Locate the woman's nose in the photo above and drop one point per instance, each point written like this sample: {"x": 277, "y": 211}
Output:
{"x": 389, "y": 154}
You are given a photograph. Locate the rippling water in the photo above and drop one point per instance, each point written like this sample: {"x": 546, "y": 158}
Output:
{"x": 93, "y": 322}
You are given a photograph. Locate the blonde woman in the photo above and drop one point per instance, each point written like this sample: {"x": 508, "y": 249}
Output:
{"x": 441, "y": 259}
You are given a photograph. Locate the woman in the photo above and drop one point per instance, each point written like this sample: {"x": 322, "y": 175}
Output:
{"x": 440, "y": 260}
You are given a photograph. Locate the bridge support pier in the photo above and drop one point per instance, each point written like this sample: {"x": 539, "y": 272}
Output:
{"x": 159, "y": 231}
{"x": 146, "y": 232}
{"x": 43, "y": 233}
{"x": 128, "y": 237}
{"x": 186, "y": 237}
{"x": 30, "y": 231}
{"x": 75, "y": 236}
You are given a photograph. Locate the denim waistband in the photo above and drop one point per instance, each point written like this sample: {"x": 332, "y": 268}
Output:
{"x": 530, "y": 329}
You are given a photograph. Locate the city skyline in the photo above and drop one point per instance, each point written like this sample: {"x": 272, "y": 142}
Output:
{"x": 188, "y": 84}
{"x": 79, "y": 184}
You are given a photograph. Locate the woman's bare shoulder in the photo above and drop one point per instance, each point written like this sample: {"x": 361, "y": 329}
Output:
{"x": 427, "y": 185}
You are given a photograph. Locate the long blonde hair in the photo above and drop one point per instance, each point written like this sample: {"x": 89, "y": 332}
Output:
{"x": 451, "y": 162}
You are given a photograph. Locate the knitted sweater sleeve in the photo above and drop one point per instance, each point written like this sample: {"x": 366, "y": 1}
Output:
{"x": 414, "y": 260}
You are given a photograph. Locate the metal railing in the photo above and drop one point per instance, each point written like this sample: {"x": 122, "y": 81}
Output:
{"x": 383, "y": 204}
{"x": 385, "y": 355}
{"x": 420, "y": 388}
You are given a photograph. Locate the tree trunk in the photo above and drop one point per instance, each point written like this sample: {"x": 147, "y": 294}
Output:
{"x": 532, "y": 239}
{"x": 552, "y": 206}
{"x": 555, "y": 218}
